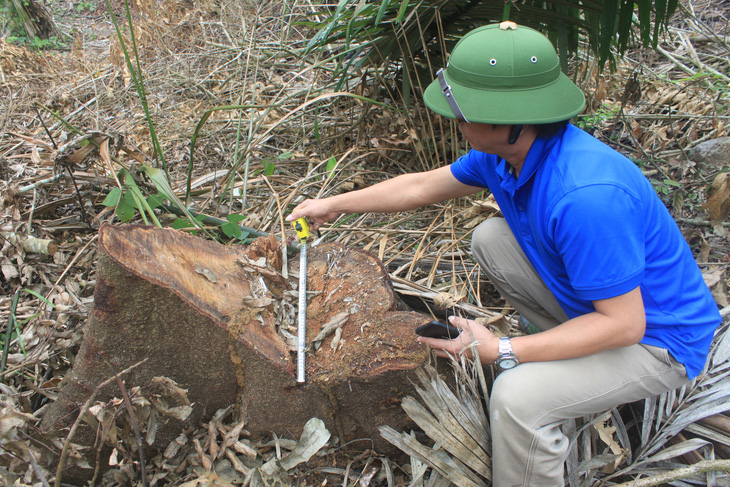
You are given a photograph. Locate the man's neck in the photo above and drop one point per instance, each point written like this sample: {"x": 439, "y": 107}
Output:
{"x": 516, "y": 153}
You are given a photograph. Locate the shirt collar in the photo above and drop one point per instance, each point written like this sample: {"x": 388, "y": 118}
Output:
{"x": 537, "y": 153}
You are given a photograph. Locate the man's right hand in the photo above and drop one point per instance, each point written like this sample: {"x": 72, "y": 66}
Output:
{"x": 317, "y": 212}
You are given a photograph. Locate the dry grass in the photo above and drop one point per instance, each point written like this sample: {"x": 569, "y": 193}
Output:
{"x": 293, "y": 139}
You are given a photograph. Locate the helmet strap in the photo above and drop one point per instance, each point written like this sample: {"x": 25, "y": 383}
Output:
{"x": 446, "y": 90}
{"x": 514, "y": 134}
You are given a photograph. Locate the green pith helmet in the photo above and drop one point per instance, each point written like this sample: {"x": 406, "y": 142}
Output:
{"x": 504, "y": 74}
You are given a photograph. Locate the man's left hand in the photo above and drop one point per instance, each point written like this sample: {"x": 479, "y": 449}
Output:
{"x": 474, "y": 338}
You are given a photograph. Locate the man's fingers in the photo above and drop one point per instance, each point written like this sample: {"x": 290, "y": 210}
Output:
{"x": 445, "y": 346}
{"x": 297, "y": 212}
{"x": 458, "y": 322}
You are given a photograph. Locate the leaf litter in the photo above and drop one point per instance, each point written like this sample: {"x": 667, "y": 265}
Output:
{"x": 60, "y": 161}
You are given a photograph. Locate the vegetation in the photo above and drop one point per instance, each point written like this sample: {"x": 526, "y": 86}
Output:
{"x": 29, "y": 21}
{"x": 424, "y": 31}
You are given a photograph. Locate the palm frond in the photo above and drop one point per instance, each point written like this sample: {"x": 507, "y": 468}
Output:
{"x": 669, "y": 414}
{"x": 455, "y": 419}
{"x": 371, "y": 34}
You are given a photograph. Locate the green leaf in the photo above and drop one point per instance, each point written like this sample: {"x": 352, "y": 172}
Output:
{"x": 269, "y": 167}
{"x": 381, "y": 11}
{"x": 180, "y": 223}
{"x": 645, "y": 21}
{"x": 285, "y": 155}
{"x": 30, "y": 291}
{"x": 331, "y": 165}
{"x": 235, "y": 218}
{"x": 155, "y": 200}
{"x": 112, "y": 199}
{"x": 128, "y": 199}
{"x": 402, "y": 11}
{"x": 231, "y": 230}
{"x": 125, "y": 212}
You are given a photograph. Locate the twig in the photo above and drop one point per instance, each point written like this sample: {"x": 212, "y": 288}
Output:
{"x": 76, "y": 112}
{"x": 680, "y": 473}
{"x": 84, "y": 410}
{"x": 70, "y": 264}
{"x": 40, "y": 183}
{"x": 78, "y": 194}
{"x": 701, "y": 223}
{"x": 48, "y": 132}
{"x": 676, "y": 61}
{"x": 37, "y": 469}
{"x": 31, "y": 244}
{"x": 135, "y": 427}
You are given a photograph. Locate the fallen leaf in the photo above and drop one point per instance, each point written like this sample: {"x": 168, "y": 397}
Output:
{"x": 446, "y": 300}
{"x": 712, "y": 277}
{"x": 718, "y": 201}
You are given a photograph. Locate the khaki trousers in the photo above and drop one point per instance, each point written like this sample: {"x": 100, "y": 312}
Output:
{"x": 529, "y": 403}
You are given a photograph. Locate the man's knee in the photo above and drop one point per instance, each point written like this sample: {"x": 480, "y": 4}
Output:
{"x": 489, "y": 232}
{"x": 515, "y": 397}
{"x": 487, "y": 240}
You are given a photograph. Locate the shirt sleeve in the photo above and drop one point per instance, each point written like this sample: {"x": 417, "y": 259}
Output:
{"x": 598, "y": 231}
{"x": 468, "y": 169}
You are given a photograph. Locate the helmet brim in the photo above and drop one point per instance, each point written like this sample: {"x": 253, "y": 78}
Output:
{"x": 555, "y": 102}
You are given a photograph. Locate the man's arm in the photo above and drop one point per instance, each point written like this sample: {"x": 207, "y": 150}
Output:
{"x": 405, "y": 192}
{"x": 617, "y": 322}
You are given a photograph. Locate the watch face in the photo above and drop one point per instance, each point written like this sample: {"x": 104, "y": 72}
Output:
{"x": 507, "y": 363}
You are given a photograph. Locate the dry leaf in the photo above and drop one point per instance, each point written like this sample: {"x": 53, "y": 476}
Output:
{"x": 606, "y": 434}
{"x": 718, "y": 202}
{"x": 446, "y": 300}
{"x": 712, "y": 277}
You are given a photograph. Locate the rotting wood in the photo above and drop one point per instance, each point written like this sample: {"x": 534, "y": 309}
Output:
{"x": 180, "y": 301}
{"x": 31, "y": 244}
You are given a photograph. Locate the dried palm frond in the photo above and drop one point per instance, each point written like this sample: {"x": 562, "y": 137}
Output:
{"x": 666, "y": 416}
{"x": 455, "y": 419}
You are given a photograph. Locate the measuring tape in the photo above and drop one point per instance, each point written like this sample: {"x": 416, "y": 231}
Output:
{"x": 302, "y": 228}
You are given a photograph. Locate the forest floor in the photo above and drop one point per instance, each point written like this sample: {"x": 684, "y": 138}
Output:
{"x": 230, "y": 93}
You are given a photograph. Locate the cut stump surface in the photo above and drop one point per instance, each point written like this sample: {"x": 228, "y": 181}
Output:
{"x": 219, "y": 320}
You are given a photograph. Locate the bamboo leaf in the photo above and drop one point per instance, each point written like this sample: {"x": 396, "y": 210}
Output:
{"x": 381, "y": 11}
{"x": 401, "y": 11}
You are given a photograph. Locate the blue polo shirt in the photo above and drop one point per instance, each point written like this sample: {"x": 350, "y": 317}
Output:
{"x": 594, "y": 228}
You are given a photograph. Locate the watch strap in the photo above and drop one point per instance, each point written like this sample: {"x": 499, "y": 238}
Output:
{"x": 505, "y": 353}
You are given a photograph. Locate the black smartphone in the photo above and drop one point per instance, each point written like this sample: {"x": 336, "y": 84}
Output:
{"x": 438, "y": 329}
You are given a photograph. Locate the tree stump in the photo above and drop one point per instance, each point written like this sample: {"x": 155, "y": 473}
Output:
{"x": 214, "y": 318}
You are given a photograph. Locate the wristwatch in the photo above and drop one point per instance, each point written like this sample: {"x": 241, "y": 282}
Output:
{"x": 506, "y": 358}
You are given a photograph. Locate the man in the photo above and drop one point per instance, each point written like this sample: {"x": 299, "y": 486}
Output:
{"x": 586, "y": 252}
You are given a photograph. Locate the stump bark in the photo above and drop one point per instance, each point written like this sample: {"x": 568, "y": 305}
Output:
{"x": 214, "y": 318}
